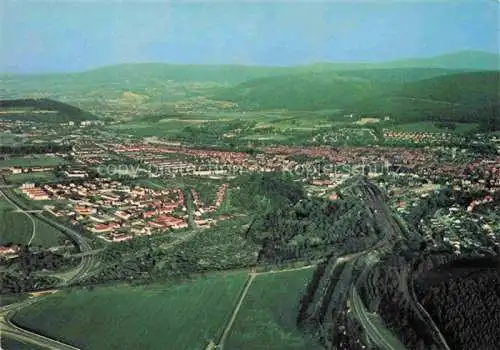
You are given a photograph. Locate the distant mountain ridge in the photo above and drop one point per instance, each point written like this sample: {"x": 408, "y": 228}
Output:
{"x": 475, "y": 60}
{"x": 227, "y": 73}
{"x": 410, "y": 88}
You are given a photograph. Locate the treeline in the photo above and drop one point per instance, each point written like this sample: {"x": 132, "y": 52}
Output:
{"x": 17, "y": 283}
{"x": 35, "y": 149}
{"x": 65, "y": 111}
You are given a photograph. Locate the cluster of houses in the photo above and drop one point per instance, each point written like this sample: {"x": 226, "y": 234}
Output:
{"x": 201, "y": 162}
{"x": 201, "y": 208}
{"x": 456, "y": 225}
{"x": 118, "y": 212}
{"x": 426, "y": 138}
{"x": 206, "y": 162}
{"x": 33, "y": 192}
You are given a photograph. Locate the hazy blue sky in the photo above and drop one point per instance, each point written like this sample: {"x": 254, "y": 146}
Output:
{"x": 42, "y": 36}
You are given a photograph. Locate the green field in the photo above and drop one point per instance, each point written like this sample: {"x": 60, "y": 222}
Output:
{"x": 31, "y": 161}
{"x": 12, "y": 299}
{"x": 184, "y": 316}
{"x": 267, "y": 317}
{"x": 12, "y": 344}
{"x": 41, "y": 177}
{"x": 17, "y": 228}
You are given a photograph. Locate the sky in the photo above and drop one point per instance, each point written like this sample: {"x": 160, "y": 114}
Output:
{"x": 62, "y": 36}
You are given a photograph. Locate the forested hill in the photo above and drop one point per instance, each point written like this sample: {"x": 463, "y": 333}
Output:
{"x": 322, "y": 89}
{"x": 405, "y": 94}
{"x": 464, "y": 97}
{"x": 300, "y": 92}
{"x": 43, "y": 110}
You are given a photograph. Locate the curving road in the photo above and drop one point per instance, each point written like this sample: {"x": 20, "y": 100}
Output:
{"x": 87, "y": 263}
{"x": 10, "y": 330}
{"x": 19, "y": 210}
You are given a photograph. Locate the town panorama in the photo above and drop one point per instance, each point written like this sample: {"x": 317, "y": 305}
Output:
{"x": 250, "y": 176}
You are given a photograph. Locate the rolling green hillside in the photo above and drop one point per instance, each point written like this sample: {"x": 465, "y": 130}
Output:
{"x": 465, "y": 97}
{"x": 150, "y": 75}
{"x": 128, "y": 91}
{"x": 44, "y": 110}
{"x": 406, "y": 94}
{"x": 309, "y": 91}
{"x": 463, "y": 60}
{"x": 477, "y": 60}
{"x": 321, "y": 90}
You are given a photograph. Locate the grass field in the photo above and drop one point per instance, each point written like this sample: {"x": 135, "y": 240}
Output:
{"x": 17, "y": 228}
{"x": 184, "y": 316}
{"x": 268, "y": 314}
{"x": 44, "y": 176}
{"x": 12, "y": 344}
{"x": 31, "y": 161}
{"x": 12, "y": 298}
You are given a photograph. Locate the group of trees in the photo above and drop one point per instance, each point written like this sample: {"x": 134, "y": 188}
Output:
{"x": 17, "y": 283}
{"x": 464, "y": 301}
{"x": 258, "y": 193}
{"x": 162, "y": 257}
{"x": 25, "y": 272}
{"x": 43, "y": 261}
{"x": 390, "y": 298}
{"x": 312, "y": 229}
{"x": 21, "y": 150}
{"x": 65, "y": 112}
{"x": 426, "y": 207}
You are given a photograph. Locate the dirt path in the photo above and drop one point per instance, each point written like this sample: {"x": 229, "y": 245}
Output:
{"x": 251, "y": 277}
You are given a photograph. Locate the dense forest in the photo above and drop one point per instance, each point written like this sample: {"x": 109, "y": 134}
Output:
{"x": 463, "y": 298}
{"x": 312, "y": 229}
{"x": 64, "y": 111}
{"x": 23, "y": 150}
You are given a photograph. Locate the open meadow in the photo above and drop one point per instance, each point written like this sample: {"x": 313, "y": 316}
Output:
{"x": 182, "y": 316}
{"x": 17, "y": 228}
{"x": 9, "y": 343}
{"x": 31, "y": 161}
{"x": 267, "y": 318}
{"x": 37, "y": 177}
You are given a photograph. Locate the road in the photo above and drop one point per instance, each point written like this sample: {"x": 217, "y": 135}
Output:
{"x": 395, "y": 230}
{"x": 19, "y": 210}
{"x": 424, "y": 314}
{"x": 10, "y": 330}
{"x": 376, "y": 332}
{"x": 87, "y": 262}
{"x": 81, "y": 271}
